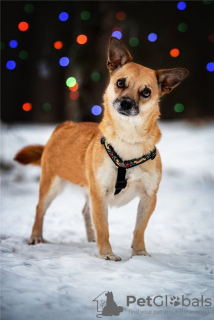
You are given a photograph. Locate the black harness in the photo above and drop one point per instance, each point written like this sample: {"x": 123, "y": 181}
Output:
{"x": 124, "y": 165}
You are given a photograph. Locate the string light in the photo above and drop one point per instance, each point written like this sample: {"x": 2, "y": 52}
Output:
{"x": 210, "y": 66}
{"x": 10, "y": 65}
{"x": 13, "y": 44}
{"x": 74, "y": 88}
{"x": 74, "y": 95}
{"x": 134, "y": 42}
{"x": 27, "y": 106}
{"x": 23, "y": 55}
{"x": 64, "y": 61}
{"x": 174, "y": 53}
{"x": 82, "y": 39}
{"x": 152, "y": 37}
{"x": 96, "y": 110}
{"x": 179, "y": 107}
{"x": 120, "y": 16}
{"x": 181, "y": 5}
{"x": 85, "y": 15}
{"x": 58, "y": 45}
{"x": 63, "y": 16}
{"x": 28, "y": 8}
{"x": 95, "y": 76}
{"x": 47, "y": 107}
{"x": 23, "y": 26}
{"x": 117, "y": 34}
{"x": 2, "y": 45}
{"x": 71, "y": 81}
{"x": 182, "y": 27}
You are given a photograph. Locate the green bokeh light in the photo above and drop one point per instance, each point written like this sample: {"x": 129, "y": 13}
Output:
{"x": 95, "y": 76}
{"x": 134, "y": 42}
{"x": 2, "y": 45}
{"x": 207, "y": 1}
{"x": 47, "y": 107}
{"x": 182, "y": 27}
{"x": 23, "y": 55}
{"x": 85, "y": 15}
{"x": 29, "y": 8}
{"x": 179, "y": 107}
{"x": 70, "y": 82}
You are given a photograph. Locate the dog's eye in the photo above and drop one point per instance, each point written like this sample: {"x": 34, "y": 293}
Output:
{"x": 145, "y": 93}
{"x": 120, "y": 83}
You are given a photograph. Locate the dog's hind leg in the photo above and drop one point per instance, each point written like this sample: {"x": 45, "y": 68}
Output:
{"x": 50, "y": 186}
{"x": 145, "y": 209}
{"x": 88, "y": 222}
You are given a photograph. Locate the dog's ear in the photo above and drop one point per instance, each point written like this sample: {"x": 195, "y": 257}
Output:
{"x": 168, "y": 79}
{"x": 118, "y": 55}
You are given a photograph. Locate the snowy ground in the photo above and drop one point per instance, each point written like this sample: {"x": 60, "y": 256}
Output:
{"x": 59, "y": 279}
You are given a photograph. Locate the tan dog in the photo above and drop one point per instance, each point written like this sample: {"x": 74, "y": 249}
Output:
{"x": 75, "y": 153}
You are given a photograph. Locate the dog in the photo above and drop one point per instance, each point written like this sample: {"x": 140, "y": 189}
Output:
{"x": 114, "y": 161}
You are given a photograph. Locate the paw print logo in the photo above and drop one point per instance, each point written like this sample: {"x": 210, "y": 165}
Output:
{"x": 175, "y": 301}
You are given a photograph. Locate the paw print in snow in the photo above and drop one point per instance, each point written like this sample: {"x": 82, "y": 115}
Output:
{"x": 174, "y": 301}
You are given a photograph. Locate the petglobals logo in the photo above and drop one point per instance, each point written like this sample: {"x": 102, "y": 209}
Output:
{"x": 164, "y": 301}
{"x": 106, "y": 306}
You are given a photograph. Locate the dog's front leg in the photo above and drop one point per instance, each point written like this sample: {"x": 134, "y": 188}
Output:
{"x": 100, "y": 219}
{"x": 145, "y": 209}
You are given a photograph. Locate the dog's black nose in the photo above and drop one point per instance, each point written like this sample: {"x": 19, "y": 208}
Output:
{"x": 126, "y": 104}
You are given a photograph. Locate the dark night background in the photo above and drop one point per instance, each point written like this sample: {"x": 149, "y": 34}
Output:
{"x": 39, "y": 79}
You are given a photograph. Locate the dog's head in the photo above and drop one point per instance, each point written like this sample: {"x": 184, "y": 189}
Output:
{"x": 134, "y": 90}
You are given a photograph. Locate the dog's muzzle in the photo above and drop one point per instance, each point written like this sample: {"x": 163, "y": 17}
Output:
{"x": 126, "y": 106}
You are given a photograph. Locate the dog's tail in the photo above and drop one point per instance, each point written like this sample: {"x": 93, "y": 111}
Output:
{"x": 30, "y": 155}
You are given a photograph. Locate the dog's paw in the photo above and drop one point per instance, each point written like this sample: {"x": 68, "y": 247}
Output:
{"x": 91, "y": 238}
{"x": 110, "y": 256}
{"x": 35, "y": 240}
{"x": 140, "y": 253}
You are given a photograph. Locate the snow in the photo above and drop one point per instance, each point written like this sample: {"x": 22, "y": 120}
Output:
{"x": 60, "y": 278}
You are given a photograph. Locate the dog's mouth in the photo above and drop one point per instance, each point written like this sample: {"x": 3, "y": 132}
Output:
{"x": 126, "y": 107}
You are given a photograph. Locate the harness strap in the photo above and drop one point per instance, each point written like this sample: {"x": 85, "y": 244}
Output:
{"x": 121, "y": 180}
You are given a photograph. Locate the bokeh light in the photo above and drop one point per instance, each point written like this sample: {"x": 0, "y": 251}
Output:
{"x": 82, "y": 39}
{"x": 211, "y": 37}
{"x": 96, "y": 110}
{"x": 10, "y": 65}
{"x": 64, "y": 61}
{"x": 134, "y": 42}
{"x": 13, "y": 44}
{"x": 23, "y": 55}
{"x": 152, "y": 37}
{"x": 182, "y": 27}
{"x": 74, "y": 88}
{"x": 120, "y": 15}
{"x": 85, "y": 15}
{"x": 174, "y": 53}
{"x": 181, "y": 5}
{"x": 63, "y": 16}
{"x": 2, "y": 45}
{"x": 117, "y": 34}
{"x": 71, "y": 81}
{"x": 27, "y": 106}
{"x": 23, "y": 26}
{"x": 207, "y": 1}
{"x": 210, "y": 66}
{"x": 74, "y": 95}
{"x": 179, "y": 107}
{"x": 116, "y": 29}
{"x": 95, "y": 76}
{"x": 47, "y": 107}
{"x": 58, "y": 45}
{"x": 28, "y": 8}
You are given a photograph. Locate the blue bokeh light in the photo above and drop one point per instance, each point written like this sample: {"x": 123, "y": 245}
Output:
{"x": 210, "y": 66}
{"x": 13, "y": 44}
{"x": 63, "y": 16}
{"x": 152, "y": 37}
{"x": 64, "y": 62}
{"x": 181, "y": 5}
{"x": 96, "y": 110}
{"x": 117, "y": 34}
{"x": 10, "y": 65}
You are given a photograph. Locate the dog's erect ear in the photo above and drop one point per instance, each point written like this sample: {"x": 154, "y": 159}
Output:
{"x": 118, "y": 55}
{"x": 168, "y": 79}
